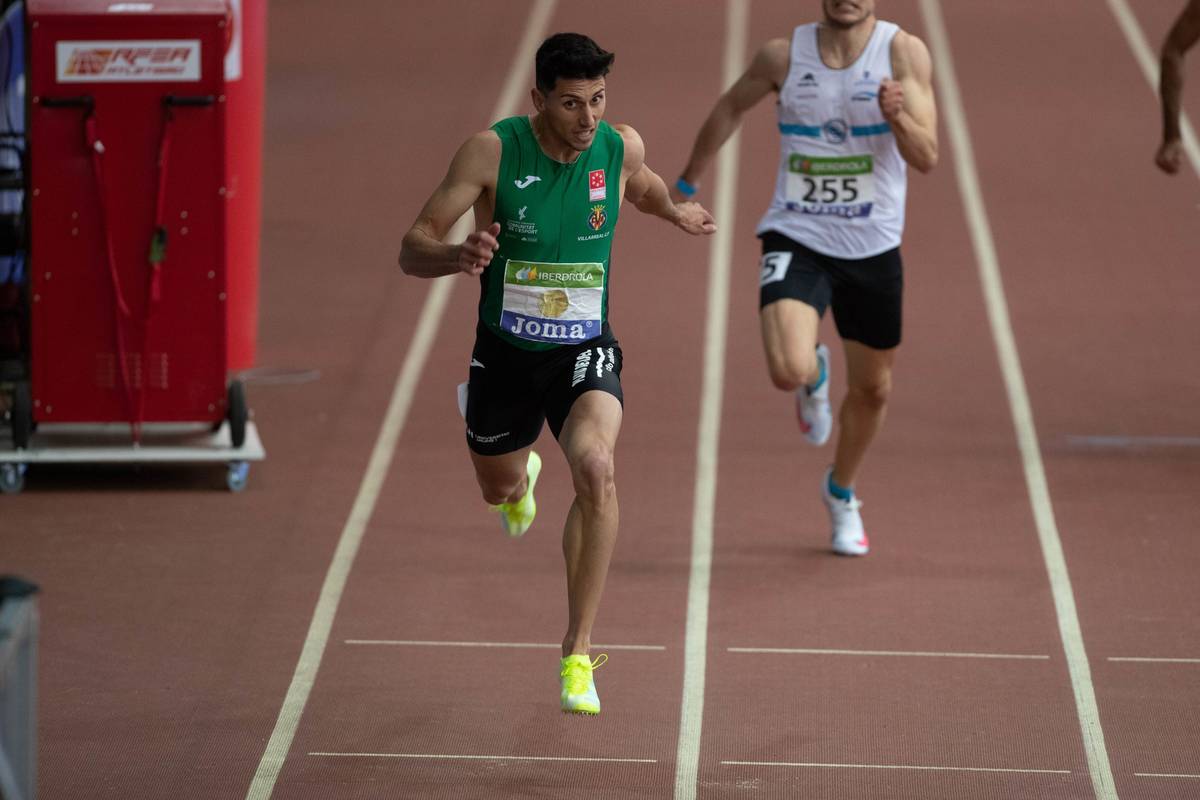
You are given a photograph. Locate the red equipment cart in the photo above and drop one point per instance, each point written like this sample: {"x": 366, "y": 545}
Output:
{"x": 127, "y": 204}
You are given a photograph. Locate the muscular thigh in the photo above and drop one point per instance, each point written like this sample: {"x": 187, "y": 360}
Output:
{"x": 594, "y": 420}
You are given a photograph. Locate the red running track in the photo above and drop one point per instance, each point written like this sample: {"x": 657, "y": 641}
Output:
{"x": 174, "y": 615}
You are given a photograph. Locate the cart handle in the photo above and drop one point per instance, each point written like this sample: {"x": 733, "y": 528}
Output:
{"x": 81, "y": 101}
{"x": 189, "y": 100}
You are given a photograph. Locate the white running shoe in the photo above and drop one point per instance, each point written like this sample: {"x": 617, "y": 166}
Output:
{"x": 849, "y": 538}
{"x": 812, "y": 405}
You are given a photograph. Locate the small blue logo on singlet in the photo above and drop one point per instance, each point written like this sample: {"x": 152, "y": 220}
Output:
{"x": 835, "y": 130}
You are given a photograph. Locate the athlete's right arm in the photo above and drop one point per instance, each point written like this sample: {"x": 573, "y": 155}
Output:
{"x": 472, "y": 172}
{"x": 1182, "y": 36}
{"x": 766, "y": 74}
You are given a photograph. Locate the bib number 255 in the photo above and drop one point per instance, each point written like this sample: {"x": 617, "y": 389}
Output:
{"x": 827, "y": 189}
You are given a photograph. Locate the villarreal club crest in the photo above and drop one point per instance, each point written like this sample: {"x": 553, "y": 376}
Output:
{"x": 598, "y": 217}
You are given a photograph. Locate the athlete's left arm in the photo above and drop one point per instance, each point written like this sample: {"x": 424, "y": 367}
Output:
{"x": 908, "y": 103}
{"x": 1183, "y": 34}
{"x": 642, "y": 187}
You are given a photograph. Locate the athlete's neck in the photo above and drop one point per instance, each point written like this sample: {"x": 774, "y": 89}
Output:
{"x": 841, "y": 45}
{"x": 554, "y": 149}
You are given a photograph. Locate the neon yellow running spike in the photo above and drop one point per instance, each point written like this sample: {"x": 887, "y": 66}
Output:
{"x": 517, "y": 517}
{"x": 578, "y": 689}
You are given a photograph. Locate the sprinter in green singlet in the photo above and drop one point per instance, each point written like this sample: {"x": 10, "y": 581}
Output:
{"x": 546, "y": 189}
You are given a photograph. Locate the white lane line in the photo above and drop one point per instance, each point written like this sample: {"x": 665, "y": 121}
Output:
{"x": 381, "y": 457}
{"x": 1132, "y": 442}
{"x": 533, "y": 645}
{"x": 451, "y": 757}
{"x": 1164, "y": 775}
{"x": 1022, "y": 413}
{"x": 912, "y": 653}
{"x": 691, "y": 717}
{"x": 1148, "y": 61}
{"x": 895, "y": 766}
{"x": 1155, "y": 660}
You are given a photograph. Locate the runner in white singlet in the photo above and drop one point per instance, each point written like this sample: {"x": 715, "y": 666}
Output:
{"x": 856, "y": 109}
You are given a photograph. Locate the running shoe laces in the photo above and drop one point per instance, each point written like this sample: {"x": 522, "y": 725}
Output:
{"x": 853, "y": 504}
{"x": 578, "y": 687}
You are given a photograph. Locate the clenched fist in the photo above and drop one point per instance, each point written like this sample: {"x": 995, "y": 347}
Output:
{"x": 476, "y": 252}
{"x": 1170, "y": 156}
{"x": 891, "y": 98}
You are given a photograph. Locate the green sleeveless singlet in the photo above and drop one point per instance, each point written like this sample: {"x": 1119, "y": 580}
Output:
{"x": 547, "y": 285}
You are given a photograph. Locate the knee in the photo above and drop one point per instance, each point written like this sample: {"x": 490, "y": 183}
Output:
{"x": 592, "y": 475}
{"x": 873, "y": 394}
{"x": 495, "y": 493}
{"x": 791, "y": 371}
{"x": 498, "y": 489}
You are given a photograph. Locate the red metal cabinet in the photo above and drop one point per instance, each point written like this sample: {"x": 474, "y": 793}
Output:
{"x": 113, "y": 338}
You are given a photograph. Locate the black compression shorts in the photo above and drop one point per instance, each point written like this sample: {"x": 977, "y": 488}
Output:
{"x": 866, "y": 293}
{"x": 511, "y": 391}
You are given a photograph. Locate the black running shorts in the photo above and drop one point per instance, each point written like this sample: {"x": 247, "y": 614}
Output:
{"x": 511, "y": 391}
{"x": 866, "y": 293}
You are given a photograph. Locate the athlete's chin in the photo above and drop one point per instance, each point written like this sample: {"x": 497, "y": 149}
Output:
{"x": 846, "y": 21}
{"x": 846, "y": 15}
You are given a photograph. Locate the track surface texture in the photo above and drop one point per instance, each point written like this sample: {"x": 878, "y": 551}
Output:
{"x": 175, "y": 615}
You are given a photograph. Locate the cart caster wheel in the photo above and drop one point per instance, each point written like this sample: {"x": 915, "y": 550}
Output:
{"x": 237, "y": 413}
{"x": 12, "y": 478}
{"x": 237, "y": 476}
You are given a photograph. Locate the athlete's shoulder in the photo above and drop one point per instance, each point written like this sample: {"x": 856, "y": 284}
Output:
{"x": 775, "y": 53}
{"x": 634, "y": 149}
{"x": 482, "y": 144}
{"x": 909, "y": 54}
{"x": 621, "y": 129}
{"x": 628, "y": 138}
{"x": 478, "y": 158}
{"x": 768, "y": 67}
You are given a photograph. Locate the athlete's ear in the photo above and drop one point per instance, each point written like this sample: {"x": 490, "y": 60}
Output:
{"x": 539, "y": 99}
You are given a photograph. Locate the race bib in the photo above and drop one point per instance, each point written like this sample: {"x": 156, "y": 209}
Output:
{"x": 842, "y": 186}
{"x": 558, "y": 303}
{"x": 774, "y": 267}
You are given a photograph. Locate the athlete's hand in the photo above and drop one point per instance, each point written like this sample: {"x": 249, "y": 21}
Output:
{"x": 694, "y": 219}
{"x": 677, "y": 196}
{"x": 891, "y": 99}
{"x": 1169, "y": 156}
{"x": 476, "y": 251}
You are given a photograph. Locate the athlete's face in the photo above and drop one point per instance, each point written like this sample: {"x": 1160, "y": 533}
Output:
{"x": 847, "y": 13}
{"x": 572, "y": 110}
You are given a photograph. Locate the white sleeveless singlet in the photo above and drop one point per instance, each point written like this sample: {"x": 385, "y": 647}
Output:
{"x": 842, "y": 181}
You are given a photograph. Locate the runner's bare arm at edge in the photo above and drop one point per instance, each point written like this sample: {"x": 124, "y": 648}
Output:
{"x": 766, "y": 73}
{"x": 1183, "y": 34}
{"x": 648, "y": 193}
{"x": 908, "y": 104}
{"x": 472, "y": 172}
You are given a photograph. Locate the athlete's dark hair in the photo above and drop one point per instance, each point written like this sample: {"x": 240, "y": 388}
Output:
{"x": 572, "y": 56}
